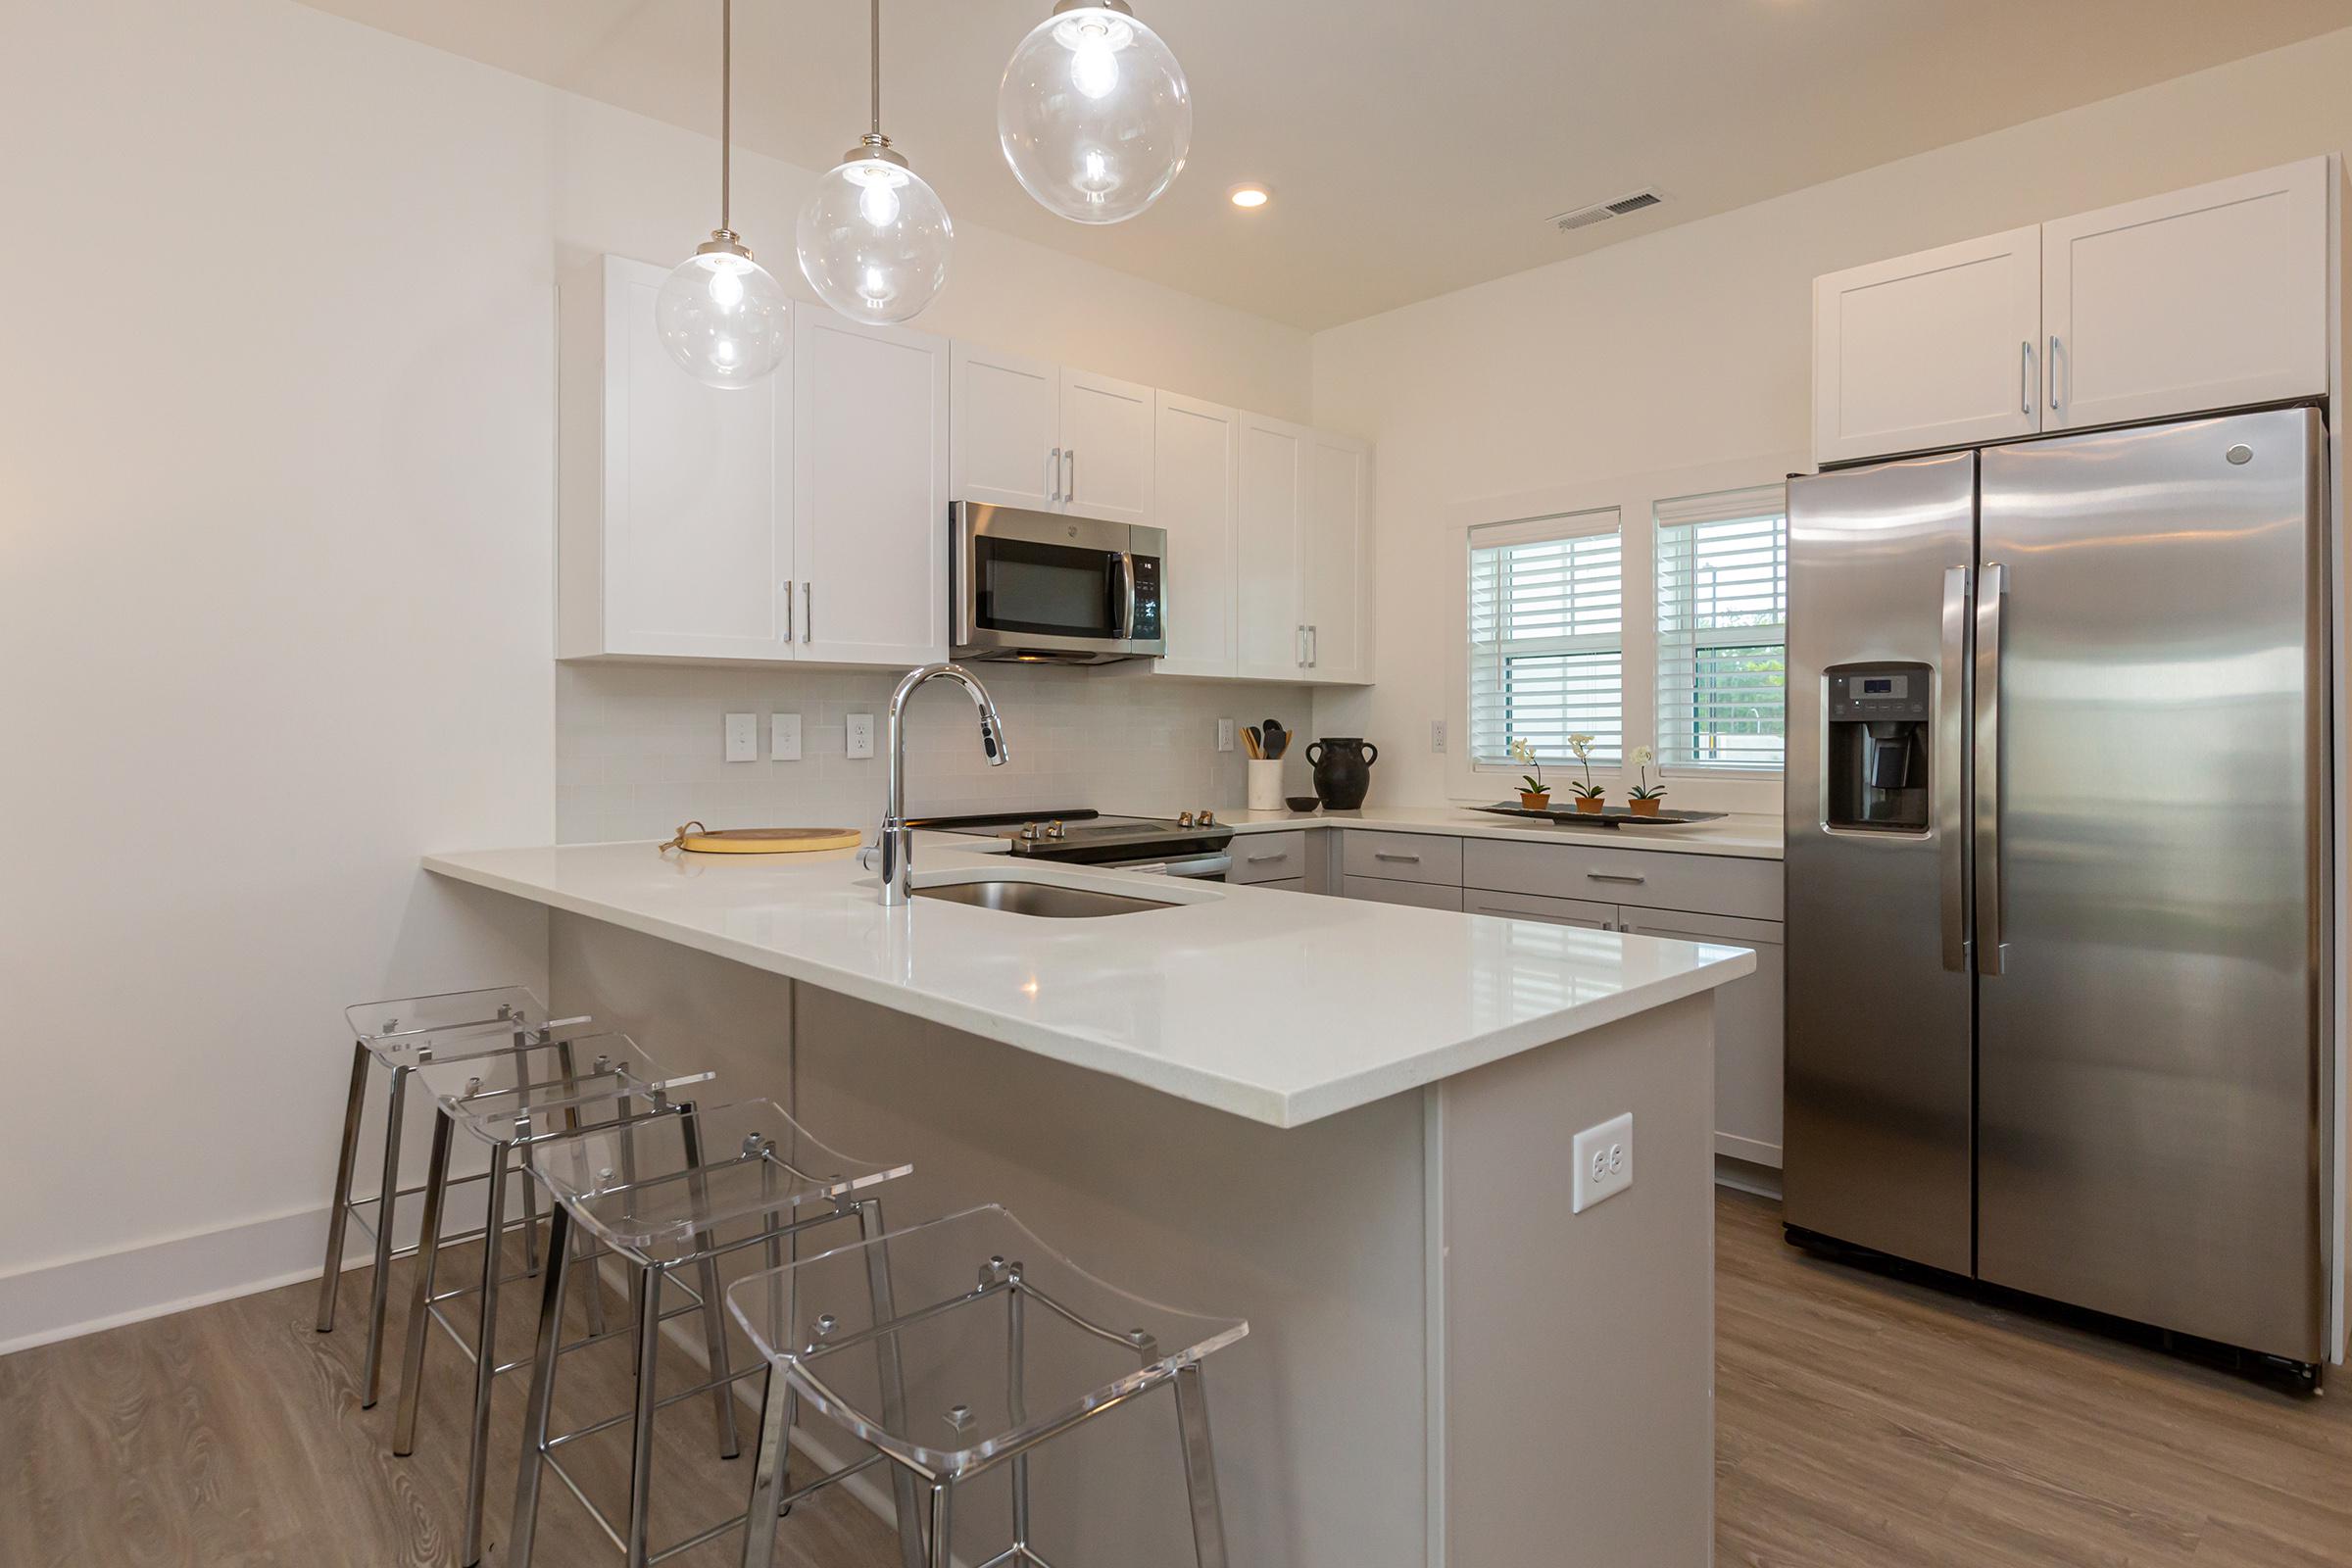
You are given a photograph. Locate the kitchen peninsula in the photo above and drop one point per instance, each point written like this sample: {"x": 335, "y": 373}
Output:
{"x": 1351, "y": 1122}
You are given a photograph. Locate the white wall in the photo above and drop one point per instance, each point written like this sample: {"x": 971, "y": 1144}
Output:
{"x": 277, "y": 535}
{"x": 1692, "y": 346}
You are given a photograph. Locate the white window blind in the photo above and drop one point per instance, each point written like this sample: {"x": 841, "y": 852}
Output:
{"x": 1723, "y": 629}
{"x": 1547, "y": 637}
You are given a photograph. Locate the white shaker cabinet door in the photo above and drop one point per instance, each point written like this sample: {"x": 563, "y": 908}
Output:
{"x": 1335, "y": 558}
{"x": 1940, "y": 349}
{"x": 1273, "y": 467}
{"x": 1106, "y": 440}
{"x": 1196, "y": 449}
{"x": 2196, "y": 299}
{"x": 873, "y": 492}
{"x": 1747, "y": 1028}
{"x": 1007, "y": 413}
{"x": 696, "y": 533}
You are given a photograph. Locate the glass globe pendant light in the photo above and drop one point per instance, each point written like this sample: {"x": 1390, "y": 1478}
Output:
{"x": 720, "y": 315}
{"x": 1094, "y": 115}
{"x": 873, "y": 237}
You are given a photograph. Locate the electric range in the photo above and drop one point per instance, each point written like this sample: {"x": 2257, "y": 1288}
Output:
{"x": 1192, "y": 844}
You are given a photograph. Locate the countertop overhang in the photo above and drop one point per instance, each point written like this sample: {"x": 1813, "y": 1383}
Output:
{"x": 1282, "y": 1008}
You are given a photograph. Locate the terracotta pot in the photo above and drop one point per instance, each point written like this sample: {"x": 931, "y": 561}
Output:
{"x": 1649, "y": 807}
{"x": 1591, "y": 802}
{"x": 1533, "y": 799}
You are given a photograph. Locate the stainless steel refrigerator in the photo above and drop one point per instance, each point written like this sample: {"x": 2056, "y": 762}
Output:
{"x": 2059, "y": 886}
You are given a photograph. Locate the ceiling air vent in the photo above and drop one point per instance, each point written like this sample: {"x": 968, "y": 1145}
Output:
{"x": 1602, "y": 211}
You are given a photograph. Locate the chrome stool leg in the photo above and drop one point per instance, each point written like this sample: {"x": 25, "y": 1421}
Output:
{"x": 421, "y": 1296}
{"x": 641, "y": 1428}
{"x": 768, "y": 1482}
{"x": 705, "y": 1281}
{"x": 890, "y": 1369}
{"x": 379, "y": 1288}
{"x": 543, "y": 1388}
{"x": 485, "y": 1354}
{"x": 1199, "y": 1467}
{"x": 941, "y": 1519}
{"x": 346, "y": 1163}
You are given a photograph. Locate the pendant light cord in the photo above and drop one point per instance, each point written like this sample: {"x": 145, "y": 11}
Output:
{"x": 875, "y": 60}
{"x": 726, "y": 113}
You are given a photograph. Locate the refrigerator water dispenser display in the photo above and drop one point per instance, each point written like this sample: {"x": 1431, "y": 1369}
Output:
{"x": 1877, "y": 764}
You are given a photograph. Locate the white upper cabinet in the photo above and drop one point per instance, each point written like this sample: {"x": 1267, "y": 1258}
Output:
{"x": 1272, "y": 495}
{"x": 1007, "y": 438}
{"x": 1335, "y": 558}
{"x": 2202, "y": 299}
{"x": 871, "y": 505}
{"x": 1932, "y": 350}
{"x": 684, "y": 544}
{"x": 1197, "y": 448}
{"x": 1107, "y": 441}
{"x": 2199, "y": 300}
{"x": 1035, "y": 435}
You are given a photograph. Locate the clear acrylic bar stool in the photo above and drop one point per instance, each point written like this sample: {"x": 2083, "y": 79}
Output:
{"x": 1008, "y": 1345}
{"x": 401, "y": 1035}
{"x": 559, "y": 1084}
{"x": 663, "y": 1190}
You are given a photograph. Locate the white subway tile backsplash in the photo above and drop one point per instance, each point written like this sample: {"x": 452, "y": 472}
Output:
{"x": 637, "y": 753}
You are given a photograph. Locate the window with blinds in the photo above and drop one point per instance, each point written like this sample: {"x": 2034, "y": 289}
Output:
{"x": 1547, "y": 637}
{"x": 1723, "y": 629}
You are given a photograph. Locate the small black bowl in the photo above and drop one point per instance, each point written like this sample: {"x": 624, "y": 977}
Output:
{"x": 1302, "y": 804}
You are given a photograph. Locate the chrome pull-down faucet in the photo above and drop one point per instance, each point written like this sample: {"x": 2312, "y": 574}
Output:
{"x": 893, "y": 856}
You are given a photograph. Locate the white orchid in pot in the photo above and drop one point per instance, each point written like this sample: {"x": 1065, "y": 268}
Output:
{"x": 1588, "y": 794}
{"x": 1534, "y": 793}
{"x": 1645, "y": 795}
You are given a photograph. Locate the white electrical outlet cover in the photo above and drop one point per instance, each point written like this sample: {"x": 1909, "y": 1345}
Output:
{"x": 862, "y": 735}
{"x": 1224, "y": 734}
{"x": 784, "y": 737}
{"x": 1604, "y": 1162}
{"x": 742, "y": 738}
{"x": 1436, "y": 734}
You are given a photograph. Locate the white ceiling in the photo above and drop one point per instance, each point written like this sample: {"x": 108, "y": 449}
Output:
{"x": 1412, "y": 148}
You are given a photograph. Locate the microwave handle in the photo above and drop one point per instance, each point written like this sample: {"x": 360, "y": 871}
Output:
{"x": 1126, "y": 561}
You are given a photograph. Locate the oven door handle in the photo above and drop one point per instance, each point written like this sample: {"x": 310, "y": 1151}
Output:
{"x": 1195, "y": 865}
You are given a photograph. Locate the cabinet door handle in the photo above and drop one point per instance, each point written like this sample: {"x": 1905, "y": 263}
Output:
{"x": 788, "y": 609}
{"x": 1385, "y": 855}
{"x": 1054, "y": 474}
{"x": 808, "y": 611}
{"x": 2024, "y": 378}
{"x": 1298, "y": 645}
{"x": 1069, "y": 485}
{"x": 1314, "y": 644}
{"x": 2055, "y": 346}
{"x": 1613, "y": 876}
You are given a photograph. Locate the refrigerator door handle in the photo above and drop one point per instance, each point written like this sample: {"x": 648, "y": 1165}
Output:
{"x": 1991, "y": 586}
{"x": 1951, "y": 824}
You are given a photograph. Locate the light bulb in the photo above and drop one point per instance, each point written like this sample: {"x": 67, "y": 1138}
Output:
{"x": 1094, "y": 115}
{"x": 723, "y": 317}
{"x": 874, "y": 239}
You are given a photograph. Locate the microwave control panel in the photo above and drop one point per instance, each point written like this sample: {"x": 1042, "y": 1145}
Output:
{"x": 1147, "y": 601}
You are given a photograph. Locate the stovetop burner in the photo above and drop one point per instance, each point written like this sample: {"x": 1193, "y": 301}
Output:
{"x": 1087, "y": 837}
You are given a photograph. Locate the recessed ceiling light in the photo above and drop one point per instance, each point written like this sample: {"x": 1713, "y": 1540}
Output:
{"x": 1250, "y": 196}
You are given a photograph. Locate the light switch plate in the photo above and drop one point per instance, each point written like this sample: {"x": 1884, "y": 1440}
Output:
{"x": 1604, "y": 1162}
{"x": 784, "y": 737}
{"x": 1436, "y": 734}
{"x": 742, "y": 738}
{"x": 1224, "y": 734}
{"x": 861, "y": 734}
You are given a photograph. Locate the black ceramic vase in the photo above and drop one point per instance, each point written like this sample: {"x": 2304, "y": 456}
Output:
{"x": 1342, "y": 771}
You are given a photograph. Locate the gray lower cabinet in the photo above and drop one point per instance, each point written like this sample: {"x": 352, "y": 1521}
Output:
{"x": 1421, "y": 895}
{"x": 1269, "y": 858}
{"x": 1534, "y": 906}
{"x": 1747, "y": 1028}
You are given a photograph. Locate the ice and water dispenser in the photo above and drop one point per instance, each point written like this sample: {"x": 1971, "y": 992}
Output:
{"x": 1878, "y": 739}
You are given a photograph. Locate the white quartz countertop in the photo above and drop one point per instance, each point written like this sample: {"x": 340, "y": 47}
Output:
{"x": 1283, "y": 1007}
{"x": 1755, "y": 838}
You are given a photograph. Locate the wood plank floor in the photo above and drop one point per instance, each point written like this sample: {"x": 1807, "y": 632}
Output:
{"x": 1860, "y": 1421}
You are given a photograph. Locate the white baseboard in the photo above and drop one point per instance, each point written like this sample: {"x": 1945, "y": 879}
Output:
{"x": 67, "y": 1297}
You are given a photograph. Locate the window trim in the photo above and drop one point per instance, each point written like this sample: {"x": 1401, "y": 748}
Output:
{"x": 1550, "y": 528}
{"x": 1636, "y": 497}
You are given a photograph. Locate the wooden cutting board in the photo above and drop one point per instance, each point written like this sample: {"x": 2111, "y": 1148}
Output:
{"x": 700, "y": 840}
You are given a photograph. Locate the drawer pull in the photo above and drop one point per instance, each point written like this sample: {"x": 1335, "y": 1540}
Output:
{"x": 1262, "y": 859}
{"x": 1384, "y": 854}
{"x": 1613, "y": 876}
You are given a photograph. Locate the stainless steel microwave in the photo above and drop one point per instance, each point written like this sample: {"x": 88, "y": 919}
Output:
{"x": 1049, "y": 588}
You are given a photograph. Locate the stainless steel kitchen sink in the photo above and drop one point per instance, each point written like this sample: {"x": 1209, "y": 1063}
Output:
{"x": 1047, "y": 899}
